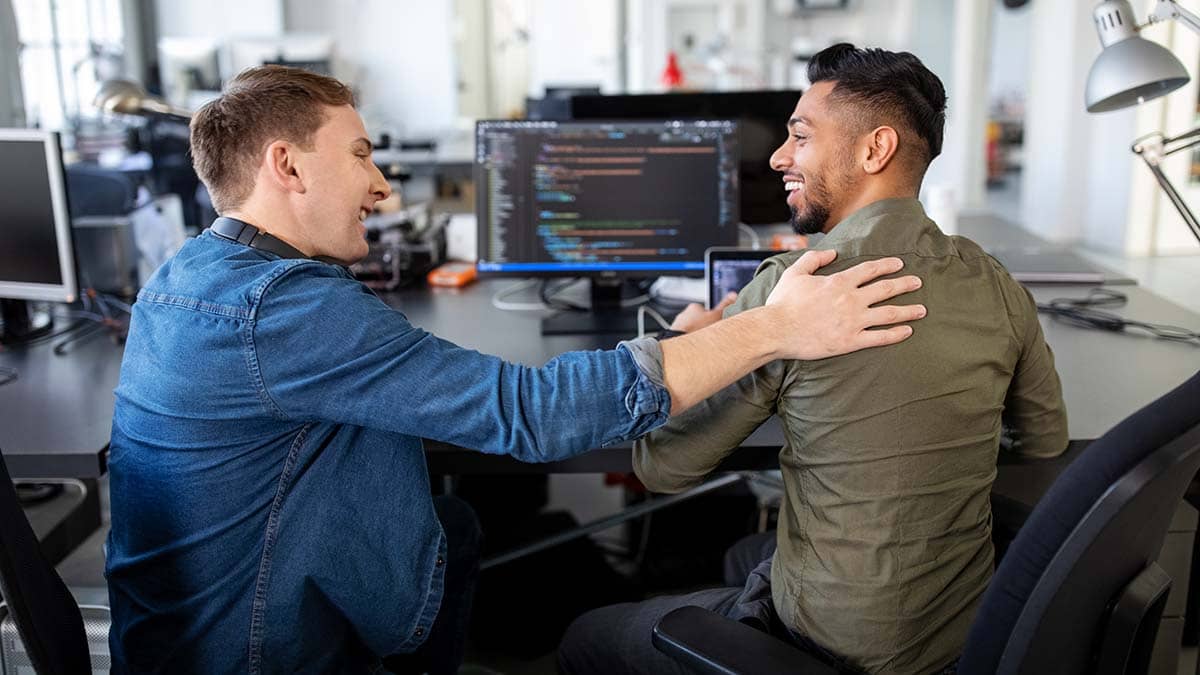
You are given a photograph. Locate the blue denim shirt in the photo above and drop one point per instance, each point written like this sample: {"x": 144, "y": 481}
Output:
{"x": 270, "y": 501}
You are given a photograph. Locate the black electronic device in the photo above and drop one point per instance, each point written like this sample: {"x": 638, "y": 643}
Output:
{"x": 605, "y": 200}
{"x": 762, "y": 127}
{"x": 37, "y": 259}
{"x": 403, "y": 247}
{"x": 730, "y": 269}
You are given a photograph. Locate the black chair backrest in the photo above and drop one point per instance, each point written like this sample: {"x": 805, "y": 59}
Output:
{"x": 1101, "y": 524}
{"x": 46, "y": 615}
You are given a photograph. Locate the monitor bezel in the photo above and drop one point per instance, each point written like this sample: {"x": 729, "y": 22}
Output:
{"x": 68, "y": 290}
{"x": 693, "y": 269}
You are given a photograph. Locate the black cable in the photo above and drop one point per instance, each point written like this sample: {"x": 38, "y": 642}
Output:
{"x": 42, "y": 339}
{"x": 1081, "y": 312}
{"x": 60, "y": 349}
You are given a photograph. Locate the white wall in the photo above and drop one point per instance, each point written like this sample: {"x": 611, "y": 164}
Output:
{"x": 1008, "y": 62}
{"x": 398, "y": 55}
{"x": 219, "y": 18}
{"x": 870, "y": 23}
{"x": 932, "y": 22}
{"x": 1077, "y": 175}
{"x": 574, "y": 43}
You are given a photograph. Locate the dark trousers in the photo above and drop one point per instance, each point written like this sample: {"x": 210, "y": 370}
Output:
{"x": 615, "y": 640}
{"x": 442, "y": 651}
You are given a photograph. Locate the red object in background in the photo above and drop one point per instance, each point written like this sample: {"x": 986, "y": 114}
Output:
{"x": 672, "y": 76}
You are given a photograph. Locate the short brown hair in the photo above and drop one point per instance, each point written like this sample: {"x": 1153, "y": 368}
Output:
{"x": 260, "y": 106}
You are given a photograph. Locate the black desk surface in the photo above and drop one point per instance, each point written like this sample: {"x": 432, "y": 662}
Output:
{"x": 55, "y": 419}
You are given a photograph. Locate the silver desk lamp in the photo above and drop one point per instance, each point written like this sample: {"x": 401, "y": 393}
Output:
{"x": 1132, "y": 70}
{"x": 128, "y": 98}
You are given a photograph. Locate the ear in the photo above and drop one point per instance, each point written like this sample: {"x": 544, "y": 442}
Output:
{"x": 281, "y": 166}
{"x": 879, "y": 148}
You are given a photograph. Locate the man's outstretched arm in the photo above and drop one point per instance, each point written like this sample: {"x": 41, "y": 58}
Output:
{"x": 377, "y": 370}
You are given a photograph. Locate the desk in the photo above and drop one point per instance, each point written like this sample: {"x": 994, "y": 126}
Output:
{"x": 55, "y": 419}
{"x": 1106, "y": 376}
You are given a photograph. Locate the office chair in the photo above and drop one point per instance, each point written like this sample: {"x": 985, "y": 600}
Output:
{"x": 1078, "y": 590}
{"x": 51, "y": 635}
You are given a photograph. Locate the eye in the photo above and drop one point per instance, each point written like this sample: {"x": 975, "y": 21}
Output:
{"x": 800, "y": 137}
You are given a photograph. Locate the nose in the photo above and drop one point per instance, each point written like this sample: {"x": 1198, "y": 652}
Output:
{"x": 379, "y": 185}
{"x": 781, "y": 159}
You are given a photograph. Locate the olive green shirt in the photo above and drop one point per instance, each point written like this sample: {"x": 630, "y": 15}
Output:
{"x": 884, "y": 540}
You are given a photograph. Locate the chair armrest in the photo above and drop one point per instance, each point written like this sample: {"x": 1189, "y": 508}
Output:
{"x": 706, "y": 642}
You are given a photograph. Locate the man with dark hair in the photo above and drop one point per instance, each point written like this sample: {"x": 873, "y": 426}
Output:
{"x": 883, "y": 546}
{"x": 270, "y": 501}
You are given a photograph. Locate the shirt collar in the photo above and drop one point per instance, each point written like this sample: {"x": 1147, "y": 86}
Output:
{"x": 888, "y": 224}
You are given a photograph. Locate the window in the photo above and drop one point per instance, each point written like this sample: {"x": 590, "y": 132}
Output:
{"x": 67, "y": 48}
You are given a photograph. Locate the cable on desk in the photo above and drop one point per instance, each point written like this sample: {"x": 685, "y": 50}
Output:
{"x": 1082, "y": 312}
{"x": 643, "y": 310}
{"x": 8, "y": 375}
{"x": 755, "y": 242}
{"x": 549, "y": 290}
{"x": 499, "y": 302}
{"x": 88, "y": 331}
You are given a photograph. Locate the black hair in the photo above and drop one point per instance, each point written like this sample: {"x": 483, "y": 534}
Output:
{"x": 888, "y": 87}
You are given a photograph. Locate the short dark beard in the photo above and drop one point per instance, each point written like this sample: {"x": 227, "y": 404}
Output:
{"x": 811, "y": 221}
{"x": 813, "y": 218}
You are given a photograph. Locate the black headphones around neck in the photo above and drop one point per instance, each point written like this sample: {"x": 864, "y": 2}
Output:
{"x": 249, "y": 235}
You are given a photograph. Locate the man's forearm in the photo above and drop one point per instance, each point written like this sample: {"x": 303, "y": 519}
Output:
{"x": 698, "y": 365}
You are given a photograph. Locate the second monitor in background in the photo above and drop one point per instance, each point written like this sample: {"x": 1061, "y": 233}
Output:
{"x": 762, "y": 127}
{"x": 609, "y": 201}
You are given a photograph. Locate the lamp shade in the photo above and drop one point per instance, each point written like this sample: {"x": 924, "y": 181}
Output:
{"x": 128, "y": 98}
{"x": 1131, "y": 71}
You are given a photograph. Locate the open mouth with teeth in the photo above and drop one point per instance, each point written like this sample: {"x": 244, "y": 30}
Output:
{"x": 362, "y": 215}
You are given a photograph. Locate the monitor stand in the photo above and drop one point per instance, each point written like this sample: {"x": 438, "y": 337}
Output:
{"x": 20, "y": 324}
{"x": 605, "y": 316}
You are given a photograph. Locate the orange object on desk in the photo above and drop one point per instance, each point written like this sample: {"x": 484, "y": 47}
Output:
{"x": 453, "y": 274}
{"x": 788, "y": 242}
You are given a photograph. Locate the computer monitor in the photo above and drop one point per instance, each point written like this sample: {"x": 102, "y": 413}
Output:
{"x": 607, "y": 200}
{"x": 762, "y": 118}
{"x": 36, "y": 259}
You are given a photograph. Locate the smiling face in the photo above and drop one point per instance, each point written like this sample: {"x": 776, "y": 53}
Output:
{"x": 818, "y": 163}
{"x": 341, "y": 186}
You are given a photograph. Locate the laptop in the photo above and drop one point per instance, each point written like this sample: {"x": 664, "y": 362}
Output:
{"x": 730, "y": 269}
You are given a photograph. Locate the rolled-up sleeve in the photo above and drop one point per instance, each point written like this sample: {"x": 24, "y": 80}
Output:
{"x": 689, "y": 447}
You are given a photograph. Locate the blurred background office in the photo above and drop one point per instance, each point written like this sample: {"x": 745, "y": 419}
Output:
{"x": 1018, "y": 143}
{"x": 1025, "y": 169}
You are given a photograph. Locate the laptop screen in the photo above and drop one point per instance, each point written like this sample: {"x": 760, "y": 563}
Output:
{"x": 728, "y": 269}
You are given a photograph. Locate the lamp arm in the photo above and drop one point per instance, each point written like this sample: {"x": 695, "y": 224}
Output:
{"x": 1166, "y": 10}
{"x": 1173, "y": 144}
{"x": 1152, "y": 154}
